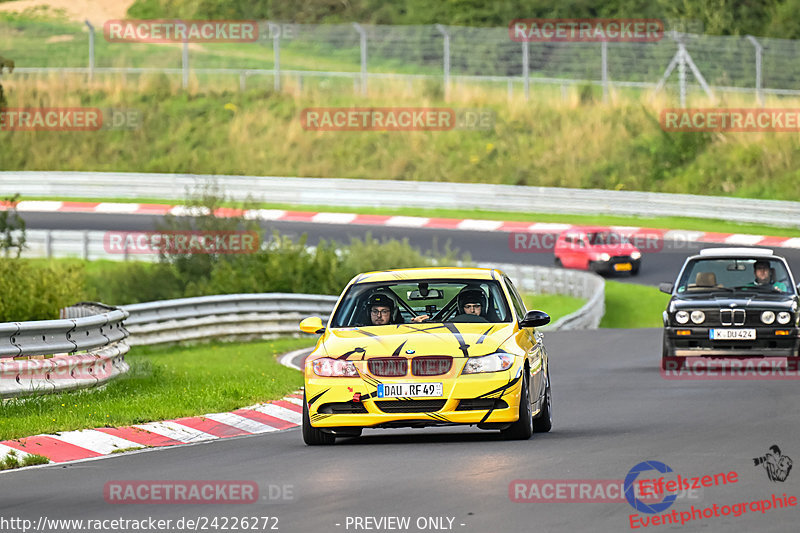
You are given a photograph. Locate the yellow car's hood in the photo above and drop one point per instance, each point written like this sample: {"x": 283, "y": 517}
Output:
{"x": 409, "y": 340}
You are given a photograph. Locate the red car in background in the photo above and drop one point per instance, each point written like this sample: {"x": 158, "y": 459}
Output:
{"x": 597, "y": 248}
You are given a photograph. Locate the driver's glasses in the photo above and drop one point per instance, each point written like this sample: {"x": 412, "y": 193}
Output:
{"x": 472, "y": 307}
{"x": 379, "y": 312}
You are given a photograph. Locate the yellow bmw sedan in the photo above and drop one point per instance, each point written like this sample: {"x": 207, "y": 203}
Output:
{"x": 425, "y": 347}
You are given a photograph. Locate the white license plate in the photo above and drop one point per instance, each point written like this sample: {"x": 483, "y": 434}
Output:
{"x": 732, "y": 334}
{"x": 409, "y": 390}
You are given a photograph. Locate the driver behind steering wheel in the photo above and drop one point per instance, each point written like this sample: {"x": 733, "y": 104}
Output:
{"x": 473, "y": 306}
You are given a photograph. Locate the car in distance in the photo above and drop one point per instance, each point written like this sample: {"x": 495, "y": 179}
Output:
{"x": 720, "y": 306}
{"x": 476, "y": 359}
{"x": 597, "y": 248}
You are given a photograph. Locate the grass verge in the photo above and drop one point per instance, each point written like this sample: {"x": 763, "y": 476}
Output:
{"x": 12, "y": 461}
{"x": 555, "y": 305}
{"x": 633, "y": 306}
{"x": 163, "y": 383}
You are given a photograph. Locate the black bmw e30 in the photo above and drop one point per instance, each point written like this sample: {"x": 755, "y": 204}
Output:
{"x": 732, "y": 302}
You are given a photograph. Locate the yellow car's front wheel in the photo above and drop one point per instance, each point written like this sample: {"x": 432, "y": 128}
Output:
{"x": 311, "y": 435}
{"x": 522, "y": 429}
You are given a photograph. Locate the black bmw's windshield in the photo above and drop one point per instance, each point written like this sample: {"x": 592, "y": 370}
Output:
{"x": 439, "y": 299}
{"x": 734, "y": 275}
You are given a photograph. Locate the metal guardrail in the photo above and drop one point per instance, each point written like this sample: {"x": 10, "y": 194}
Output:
{"x": 544, "y": 280}
{"x": 229, "y": 316}
{"x": 83, "y": 352}
{"x": 395, "y": 193}
{"x": 250, "y": 316}
{"x": 233, "y": 316}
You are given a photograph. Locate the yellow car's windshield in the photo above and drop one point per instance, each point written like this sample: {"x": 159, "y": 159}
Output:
{"x": 381, "y": 303}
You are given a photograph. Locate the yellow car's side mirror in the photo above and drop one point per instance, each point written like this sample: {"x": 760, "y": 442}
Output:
{"x": 312, "y": 324}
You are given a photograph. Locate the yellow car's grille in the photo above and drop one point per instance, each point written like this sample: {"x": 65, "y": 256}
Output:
{"x": 411, "y": 406}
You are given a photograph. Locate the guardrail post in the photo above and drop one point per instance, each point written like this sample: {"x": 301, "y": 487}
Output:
{"x": 85, "y": 247}
{"x": 242, "y": 81}
{"x": 526, "y": 79}
{"x": 48, "y": 244}
{"x": 759, "y": 89}
{"x": 275, "y": 30}
{"x": 444, "y": 32}
{"x": 363, "y": 40}
{"x": 91, "y": 49}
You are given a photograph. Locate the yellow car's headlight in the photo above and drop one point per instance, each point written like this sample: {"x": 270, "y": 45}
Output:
{"x": 334, "y": 368}
{"x": 488, "y": 363}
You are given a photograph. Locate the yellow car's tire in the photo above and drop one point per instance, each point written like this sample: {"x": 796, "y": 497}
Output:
{"x": 311, "y": 435}
{"x": 522, "y": 429}
{"x": 544, "y": 422}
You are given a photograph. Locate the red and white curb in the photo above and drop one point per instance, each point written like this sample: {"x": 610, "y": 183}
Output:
{"x": 67, "y": 446}
{"x": 90, "y": 443}
{"x": 467, "y": 224}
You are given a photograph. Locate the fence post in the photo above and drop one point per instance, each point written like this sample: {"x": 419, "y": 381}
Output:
{"x": 604, "y": 68}
{"x": 526, "y": 79}
{"x": 185, "y": 59}
{"x": 444, "y": 32}
{"x": 363, "y": 35}
{"x": 274, "y": 29}
{"x": 759, "y": 89}
{"x": 91, "y": 49}
{"x": 682, "y": 73}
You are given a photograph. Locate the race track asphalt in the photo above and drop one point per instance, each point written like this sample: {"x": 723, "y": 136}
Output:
{"x": 659, "y": 265}
{"x": 612, "y": 410}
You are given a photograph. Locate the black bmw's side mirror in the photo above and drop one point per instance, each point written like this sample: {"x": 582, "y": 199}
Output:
{"x": 666, "y": 287}
{"x": 534, "y": 319}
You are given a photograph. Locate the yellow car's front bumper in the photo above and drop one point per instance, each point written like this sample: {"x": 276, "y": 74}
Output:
{"x": 486, "y": 398}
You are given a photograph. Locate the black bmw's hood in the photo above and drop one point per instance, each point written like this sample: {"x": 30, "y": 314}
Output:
{"x": 782, "y": 302}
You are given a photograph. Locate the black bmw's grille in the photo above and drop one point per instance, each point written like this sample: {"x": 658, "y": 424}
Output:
{"x": 481, "y": 404}
{"x": 411, "y": 406}
{"x": 342, "y": 408}
{"x": 732, "y": 317}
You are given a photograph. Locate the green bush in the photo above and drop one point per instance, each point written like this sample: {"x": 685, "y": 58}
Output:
{"x": 34, "y": 291}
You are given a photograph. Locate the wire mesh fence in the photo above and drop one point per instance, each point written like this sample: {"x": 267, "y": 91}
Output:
{"x": 361, "y": 55}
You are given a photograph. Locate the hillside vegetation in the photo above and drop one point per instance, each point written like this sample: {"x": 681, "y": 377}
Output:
{"x": 579, "y": 142}
{"x": 770, "y": 18}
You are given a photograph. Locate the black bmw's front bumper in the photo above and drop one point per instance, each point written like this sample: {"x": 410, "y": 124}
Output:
{"x": 698, "y": 343}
